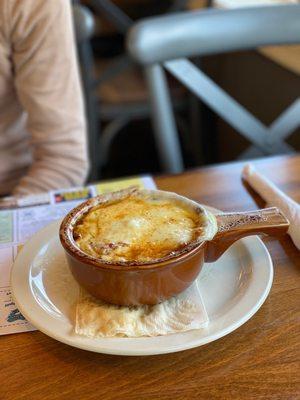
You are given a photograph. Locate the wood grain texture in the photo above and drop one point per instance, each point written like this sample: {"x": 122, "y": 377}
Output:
{"x": 260, "y": 360}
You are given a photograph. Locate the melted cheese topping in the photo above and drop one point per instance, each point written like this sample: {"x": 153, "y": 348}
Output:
{"x": 137, "y": 229}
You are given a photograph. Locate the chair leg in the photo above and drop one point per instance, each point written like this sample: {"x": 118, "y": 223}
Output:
{"x": 165, "y": 131}
{"x": 251, "y": 153}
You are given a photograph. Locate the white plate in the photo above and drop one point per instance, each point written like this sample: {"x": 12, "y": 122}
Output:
{"x": 233, "y": 289}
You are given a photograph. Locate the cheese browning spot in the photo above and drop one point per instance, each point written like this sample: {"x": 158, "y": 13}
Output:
{"x": 137, "y": 229}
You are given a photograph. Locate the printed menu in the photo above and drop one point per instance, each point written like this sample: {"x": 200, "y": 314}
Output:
{"x": 31, "y": 214}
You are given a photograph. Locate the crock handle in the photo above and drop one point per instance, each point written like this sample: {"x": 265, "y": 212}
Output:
{"x": 234, "y": 226}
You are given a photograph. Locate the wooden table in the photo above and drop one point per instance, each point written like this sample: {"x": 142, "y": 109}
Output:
{"x": 259, "y": 360}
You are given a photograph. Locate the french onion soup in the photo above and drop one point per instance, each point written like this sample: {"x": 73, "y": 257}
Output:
{"x": 143, "y": 227}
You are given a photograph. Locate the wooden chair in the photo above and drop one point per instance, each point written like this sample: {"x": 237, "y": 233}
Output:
{"x": 116, "y": 90}
{"x": 165, "y": 43}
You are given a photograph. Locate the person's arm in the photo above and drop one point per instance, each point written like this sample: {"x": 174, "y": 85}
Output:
{"x": 48, "y": 87}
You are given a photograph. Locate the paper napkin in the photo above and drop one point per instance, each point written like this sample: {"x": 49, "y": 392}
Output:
{"x": 97, "y": 319}
{"x": 275, "y": 197}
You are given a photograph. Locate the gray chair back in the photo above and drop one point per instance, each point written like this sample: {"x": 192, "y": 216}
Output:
{"x": 166, "y": 42}
{"x": 84, "y": 29}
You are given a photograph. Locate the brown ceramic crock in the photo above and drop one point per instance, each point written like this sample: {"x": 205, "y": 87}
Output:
{"x": 152, "y": 283}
